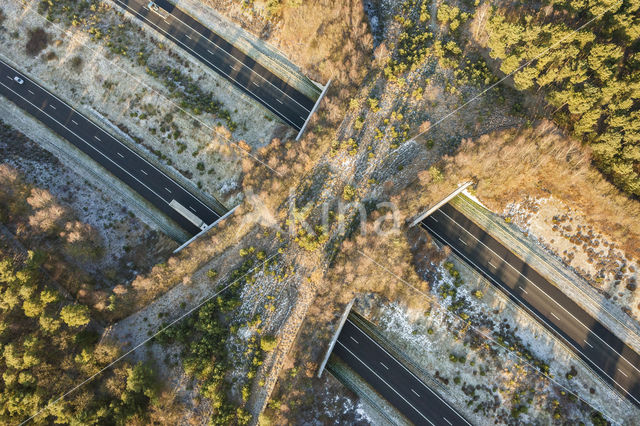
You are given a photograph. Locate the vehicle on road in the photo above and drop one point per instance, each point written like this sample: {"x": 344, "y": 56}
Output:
{"x": 157, "y": 9}
{"x": 18, "y": 80}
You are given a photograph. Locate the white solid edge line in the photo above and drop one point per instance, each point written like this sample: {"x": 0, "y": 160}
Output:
{"x": 408, "y": 371}
{"x": 541, "y": 319}
{"x": 103, "y": 132}
{"x": 91, "y": 146}
{"x": 385, "y": 382}
{"x": 242, "y": 64}
{"x": 542, "y": 291}
{"x": 203, "y": 59}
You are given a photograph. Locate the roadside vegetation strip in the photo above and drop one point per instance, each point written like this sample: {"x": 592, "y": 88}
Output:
{"x": 108, "y": 161}
{"x": 545, "y": 320}
{"x": 458, "y": 318}
{"x": 82, "y": 163}
{"x": 505, "y": 339}
{"x": 162, "y": 330}
{"x": 247, "y": 88}
{"x": 234, "y": 144}
{"x": 549, "y": 266}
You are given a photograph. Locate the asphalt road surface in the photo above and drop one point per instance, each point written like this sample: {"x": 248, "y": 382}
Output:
{"x": 159, "y": 189}
{"x": 242, "y": 71}
{"x": 414, "y": 399}
{"x": 607, "y": 355}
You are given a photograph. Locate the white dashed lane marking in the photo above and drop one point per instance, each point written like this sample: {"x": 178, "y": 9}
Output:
{"x": 167, "y": 189}
{"x": 121, "y": 155}
{"x": 74, "y": 122}
{"x": 415, "y": 393}
{"x": 623, "y": 373}
{"x": 52, "y": 106}
{"x": 462, "y": 241}
{"x": 97, "y": 138}
{"x": 588, "y": 344}
{"x": 30, "y": 92}
{"x": 353, "y": 338}
{"x": 555, "y": 316}
{"x": 146, "y": 174}
{"x": 446, "y": 420}
{"x": 384, "y": 365}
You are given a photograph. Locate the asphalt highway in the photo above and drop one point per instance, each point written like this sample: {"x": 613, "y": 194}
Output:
{"x": 414, "y": 399}
{"x": 242, "y": 71}
{"x": 607, "y": 355}
{"x": 152, "y": 184}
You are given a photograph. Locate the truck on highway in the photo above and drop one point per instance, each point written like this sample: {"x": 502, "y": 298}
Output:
{"x": 157, "y": 9}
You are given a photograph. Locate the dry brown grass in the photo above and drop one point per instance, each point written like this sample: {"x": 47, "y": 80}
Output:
{"x": 539, "y": 161}
{"x": 327, "y": 40}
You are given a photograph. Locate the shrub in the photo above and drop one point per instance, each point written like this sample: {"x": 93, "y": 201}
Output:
{"x": 268, "y": 343}
{"x": 348, "y": 193}
{"x": 38, "y": 41}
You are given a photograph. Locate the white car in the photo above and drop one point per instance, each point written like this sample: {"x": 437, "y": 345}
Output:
{"x": 18, "y": 80}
